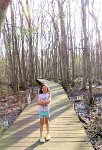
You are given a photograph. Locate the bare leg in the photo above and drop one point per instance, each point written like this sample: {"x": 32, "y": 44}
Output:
{"x": 41, "y": 126}
{"x": 47, "y": 125}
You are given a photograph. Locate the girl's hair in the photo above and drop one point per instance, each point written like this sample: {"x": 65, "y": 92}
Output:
{"x": 40, "y": 91}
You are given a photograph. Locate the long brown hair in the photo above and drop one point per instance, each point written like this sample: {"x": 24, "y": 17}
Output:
{"x": 41, "y": 92}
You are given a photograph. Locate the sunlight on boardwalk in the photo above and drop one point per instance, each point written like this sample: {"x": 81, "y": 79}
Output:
{"x": 65, "y": 129}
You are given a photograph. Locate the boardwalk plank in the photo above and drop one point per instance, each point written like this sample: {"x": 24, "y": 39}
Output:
{"x": 65, "y": 129}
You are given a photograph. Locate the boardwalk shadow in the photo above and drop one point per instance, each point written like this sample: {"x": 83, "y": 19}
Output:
{"x": 33, "y": 146}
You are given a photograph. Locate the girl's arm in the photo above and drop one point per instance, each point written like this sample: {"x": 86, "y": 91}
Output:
{"x": 47, "y": 101}
{"x": 44, "y": 102}
{"x": 40, "y": 102}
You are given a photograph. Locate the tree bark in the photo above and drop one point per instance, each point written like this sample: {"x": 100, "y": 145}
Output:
{"x": 3, "y": 7}
{"x": 63, "y": 46}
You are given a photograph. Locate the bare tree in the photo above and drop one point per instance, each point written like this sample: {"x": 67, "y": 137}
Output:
{"x": 63, "y": 45}
{"x": 3, "y": 7}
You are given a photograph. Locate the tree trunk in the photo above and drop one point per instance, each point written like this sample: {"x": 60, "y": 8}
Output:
{"x": 63, "y": 46}
{"x": 84, "y": 43}
{"x": 3, "y": 7}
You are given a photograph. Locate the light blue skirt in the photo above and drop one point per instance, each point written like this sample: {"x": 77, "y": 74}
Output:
{"x": 43, "y": 114}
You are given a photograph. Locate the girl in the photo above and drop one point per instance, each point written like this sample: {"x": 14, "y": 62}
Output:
{"x": 44, "y": 99}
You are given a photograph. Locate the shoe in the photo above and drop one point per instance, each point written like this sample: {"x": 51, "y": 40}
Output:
{"x": 48, "y": 138}
{"x": 42, "y": 140}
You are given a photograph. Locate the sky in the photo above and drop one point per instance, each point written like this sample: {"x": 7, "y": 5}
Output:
{"x": 75, "y": 9}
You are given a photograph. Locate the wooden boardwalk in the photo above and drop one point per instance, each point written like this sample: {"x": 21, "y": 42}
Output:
{"x": 65, "y": 129}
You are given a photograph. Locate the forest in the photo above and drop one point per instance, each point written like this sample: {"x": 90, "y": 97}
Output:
{"x": 57, "y": 40}
{"x": 52, "y": 39}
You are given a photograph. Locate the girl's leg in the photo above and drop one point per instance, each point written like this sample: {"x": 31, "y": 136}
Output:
{"x": 47, "y": 125}
{"x": 41, "y": 126}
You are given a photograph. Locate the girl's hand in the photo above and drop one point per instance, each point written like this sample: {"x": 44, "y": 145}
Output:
{"x": 43, "y": 103}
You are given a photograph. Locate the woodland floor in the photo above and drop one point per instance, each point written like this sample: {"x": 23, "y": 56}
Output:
{"x": 90, "y": 116}
{"x": 11, "y": 106}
